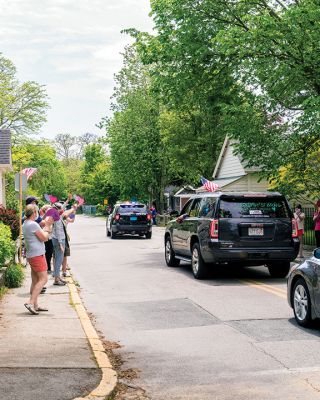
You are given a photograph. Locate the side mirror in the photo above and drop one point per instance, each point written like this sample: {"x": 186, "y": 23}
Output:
{"x": 316, "y": 253}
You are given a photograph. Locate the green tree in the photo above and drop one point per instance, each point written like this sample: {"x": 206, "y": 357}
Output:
{"x": 22, "y": 105}
{"x": 255, "y": 62}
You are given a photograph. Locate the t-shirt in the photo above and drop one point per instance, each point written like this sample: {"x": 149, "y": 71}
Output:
{"x": 34, "y": 246}
{"x": 317, "y": 222}
{"x": 300, "y": 222}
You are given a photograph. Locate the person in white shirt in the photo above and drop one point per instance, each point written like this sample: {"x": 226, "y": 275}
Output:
{"x": 299, "y": 216}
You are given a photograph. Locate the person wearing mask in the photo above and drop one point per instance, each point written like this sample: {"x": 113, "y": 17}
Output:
{"x": 35, "y": 237}
{"x": 299, "y": 217}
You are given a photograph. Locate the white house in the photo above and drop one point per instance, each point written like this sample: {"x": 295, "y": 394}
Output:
{"x": 231, "y": 173}
{"x": 5, "y": 161}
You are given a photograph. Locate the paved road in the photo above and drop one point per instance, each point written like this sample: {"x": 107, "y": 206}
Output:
{"x": 229, "y": 337}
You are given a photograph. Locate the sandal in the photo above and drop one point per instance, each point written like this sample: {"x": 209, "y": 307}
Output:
{"x": 31, "y": 308}
{"x": 39, "y": 309}
{"x": 59, "y": 283}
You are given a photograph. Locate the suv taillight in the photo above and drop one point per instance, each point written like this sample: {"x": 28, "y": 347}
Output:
{"x": 117, "y": 217}
{"x": 214, "y": 231}
{"x": 294, "y": 228}
{"x": 149, "y": 217}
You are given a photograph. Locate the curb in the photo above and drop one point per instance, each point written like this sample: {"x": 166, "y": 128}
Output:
{"x": 109, "y": 376}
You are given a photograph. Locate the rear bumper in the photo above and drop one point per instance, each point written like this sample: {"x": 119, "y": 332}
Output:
{"x": 213, "y": 253}
{"x": 131, "y": 228}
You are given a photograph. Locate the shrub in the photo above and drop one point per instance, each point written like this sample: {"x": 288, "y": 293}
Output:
{"x": 7, "y": 246}
{"x": 10, "y": 218}
{"x": 13, "y": 276}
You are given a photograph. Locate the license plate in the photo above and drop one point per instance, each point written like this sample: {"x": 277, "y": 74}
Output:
{"x": 255, "y": 231}
{"x": 133, "y": 218}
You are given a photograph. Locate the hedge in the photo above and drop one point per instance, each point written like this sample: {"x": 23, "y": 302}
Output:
{"x": 7, "y": 245}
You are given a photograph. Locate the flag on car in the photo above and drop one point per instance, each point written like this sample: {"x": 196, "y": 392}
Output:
{"x": 29, "y": 172}
{"x": 209, "y": 185}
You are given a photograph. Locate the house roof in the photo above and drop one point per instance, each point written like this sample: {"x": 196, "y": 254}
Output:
{"x": 227, "y": 145}
{"x": 5, "y": 149}
{"x": 186, "y": 191}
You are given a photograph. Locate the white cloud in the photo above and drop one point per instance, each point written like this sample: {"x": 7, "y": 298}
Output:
{"x": 73, "y": 47}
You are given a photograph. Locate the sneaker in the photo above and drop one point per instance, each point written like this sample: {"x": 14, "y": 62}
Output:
{"x": 31, "y": 309}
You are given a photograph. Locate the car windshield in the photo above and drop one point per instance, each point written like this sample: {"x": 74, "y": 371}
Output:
{"x": 253, "y": 208}
{"x": 132, "y": 208}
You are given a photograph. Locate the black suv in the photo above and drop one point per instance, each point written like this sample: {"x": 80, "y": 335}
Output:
{"x": 132, "y": 218}
{"x": 247, "y": 229}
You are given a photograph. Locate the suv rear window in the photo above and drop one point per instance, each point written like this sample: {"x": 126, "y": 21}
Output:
{"x": 253, "y": 208}
{"x": 132, "y": 208}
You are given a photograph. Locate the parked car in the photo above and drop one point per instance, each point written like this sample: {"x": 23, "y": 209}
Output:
{"x": 303, "y": 289}
{"x": 129, "y": 218}
{"x": 247, "y": 229}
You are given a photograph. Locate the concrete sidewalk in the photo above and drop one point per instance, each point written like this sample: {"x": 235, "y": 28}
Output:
{"x": 45, "y": 356}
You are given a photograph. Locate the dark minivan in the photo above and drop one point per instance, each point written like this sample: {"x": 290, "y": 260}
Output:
{"x": 246, "y": 229}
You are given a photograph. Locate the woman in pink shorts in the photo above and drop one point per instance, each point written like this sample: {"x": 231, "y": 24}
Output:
{"x": 34, "y": 237}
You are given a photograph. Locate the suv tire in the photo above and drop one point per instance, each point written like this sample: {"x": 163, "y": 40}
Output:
{"x": 279, "y": 269}
{"x": 301, "y": 303}
{"x": 148, "y": 235}
{"x": 199, "y": 267}
{"x": 112, "y": 234}
{"x": 108, "y": 232}
{"x": 171, "y": 260}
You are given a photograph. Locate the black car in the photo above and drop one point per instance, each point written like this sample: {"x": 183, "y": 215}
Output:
{"x": 303, "y": 289}
{"x": 129, "y": 218}
{"x": 246, "y": 229}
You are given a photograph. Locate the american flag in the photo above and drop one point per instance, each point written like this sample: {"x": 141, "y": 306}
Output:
{"x": 209, "y": 185}
{"x": 29, "y": 172}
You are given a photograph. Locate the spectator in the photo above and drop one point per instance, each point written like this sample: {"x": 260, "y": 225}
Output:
{"x": 316, "y": 219}
{"x": 153, "y": 214}
{"x": 60, "y": 242}
{"x": 48, "y": 243}
{"x": 35, "y": 237}
{"x": 299, "y": 216}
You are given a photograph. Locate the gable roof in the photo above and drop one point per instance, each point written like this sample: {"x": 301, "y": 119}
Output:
{"x": 229, "y": 164}
{"x": 5, "y": 148}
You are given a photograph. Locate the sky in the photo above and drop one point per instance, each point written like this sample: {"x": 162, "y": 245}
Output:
{"x": 73, "y": 48}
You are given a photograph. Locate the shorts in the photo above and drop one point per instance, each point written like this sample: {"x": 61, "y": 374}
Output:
{"x": 38, "y": 263}
{"x": 300, "y": 232}
{"x": 67, "y": 251}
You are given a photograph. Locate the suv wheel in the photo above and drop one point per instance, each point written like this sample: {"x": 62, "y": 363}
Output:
{"x": 279, "y": 270}
{"x": 199, "y": 267}
{"x": 171, "y": 260}
{"x": 301, "y": 303}
{"x": 148, "y": 235}
{"x": 112, "y": 234}
{"x": 108, "y": 232}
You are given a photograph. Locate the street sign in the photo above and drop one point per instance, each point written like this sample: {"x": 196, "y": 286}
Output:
{"x": 24, "y": 181}
{"x": 105, "y": 202}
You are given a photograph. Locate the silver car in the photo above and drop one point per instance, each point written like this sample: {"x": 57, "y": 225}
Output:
{"x": 304, "y": 289}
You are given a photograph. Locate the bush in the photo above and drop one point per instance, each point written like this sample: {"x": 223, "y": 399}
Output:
{"x": 13, "y": 276}
{"x": 11, "y": 219}
{"x": 7, "y": 245}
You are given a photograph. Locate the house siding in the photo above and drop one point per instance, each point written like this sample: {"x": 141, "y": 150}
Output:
{"x": 230, "y": 165}
{"x": 2, "y": 199}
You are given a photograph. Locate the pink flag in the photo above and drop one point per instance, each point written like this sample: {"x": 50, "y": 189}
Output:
{"x": 29, "y": 172}
{"x": 53, "y": 199}
{"x": 79, "y": 199}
